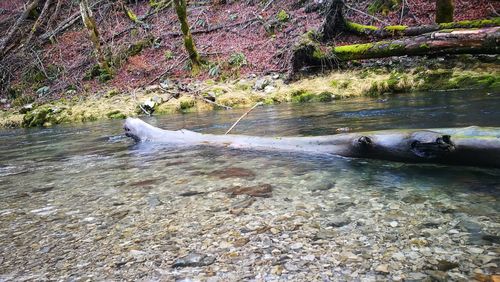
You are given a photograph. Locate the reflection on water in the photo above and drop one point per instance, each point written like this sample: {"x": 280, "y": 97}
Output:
{"x": 75, "y": 199}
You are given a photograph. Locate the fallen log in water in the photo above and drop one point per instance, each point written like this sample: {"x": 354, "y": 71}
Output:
{"x": 473, "y": 146}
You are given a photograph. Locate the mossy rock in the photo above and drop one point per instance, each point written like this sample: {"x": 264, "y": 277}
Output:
{"x": 301, "y": 96}
{"x": 22, "y": 100}
{"x": 38, "y": 116}
{"x": 186, "y": 103}
{"x": 116, "y": 115}
{"x": 324, "y": 97}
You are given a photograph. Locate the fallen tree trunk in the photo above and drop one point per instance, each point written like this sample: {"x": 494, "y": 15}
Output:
{"x": 463, "y": 41}
{"x": 335, "y": 23}
{"x": 472, "y": 146}
{"x": 402, "y": 30}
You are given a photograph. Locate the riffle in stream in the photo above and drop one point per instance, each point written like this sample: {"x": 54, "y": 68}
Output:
{"x": 84, "y": 202}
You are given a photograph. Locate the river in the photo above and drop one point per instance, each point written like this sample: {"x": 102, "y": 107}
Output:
{"x": 83, "y": 202}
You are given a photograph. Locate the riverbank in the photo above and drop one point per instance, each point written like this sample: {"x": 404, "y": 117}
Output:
{"x": 169, "y": 96}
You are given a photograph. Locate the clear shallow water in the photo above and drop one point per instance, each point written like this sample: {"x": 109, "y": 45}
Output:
{"x": 85, "y": 202}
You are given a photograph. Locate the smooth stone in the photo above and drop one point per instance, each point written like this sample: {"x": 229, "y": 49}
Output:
{"x": 393, "y": 224}
{"x": 416, "y": 276}
{"x": 384, "y": 268}
{"x": 476, "y": 250}
{"x": 438, "y": 276}
{"x": 338, "y": 222}
{"x": 445, "y": 265}
{"x": 194, "y": 259}
{"x": 398, "y": 256}
{"x": 291, "y": 267}
{"x": 296, "y": 246}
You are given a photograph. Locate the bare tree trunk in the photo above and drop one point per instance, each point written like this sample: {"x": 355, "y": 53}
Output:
{"x": 13, "y": 29}
{"x": 444, "y": 11}
{"x": 334, "y": 21}
{"x": 181, "y": 10}
{"x": 89, "y": 22}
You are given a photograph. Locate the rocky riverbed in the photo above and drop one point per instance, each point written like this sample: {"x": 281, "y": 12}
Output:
{"x": 205, "y": 215}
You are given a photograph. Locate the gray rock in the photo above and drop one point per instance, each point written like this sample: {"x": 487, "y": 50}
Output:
{"x": 154, "y": 201}
{"x": 438, "y": 276}
{"x": 269, "y": 89}
{"x": 261, "y": 83}
{"x": 42, "y": 91}
{"x": 383, "y": 268}
{"x": 445, "y": 265}
{"x": 26, "y": 108}
{"x": 338, "y": 222}
{"x": 194, "y": 259}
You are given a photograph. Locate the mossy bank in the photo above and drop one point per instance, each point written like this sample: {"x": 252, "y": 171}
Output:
{"x": 169, "y": 97}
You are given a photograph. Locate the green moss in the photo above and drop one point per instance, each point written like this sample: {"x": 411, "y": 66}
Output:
{"x": 22, "y": 100}
{"x": 481, "y": 81}
{"x": 37, "y": 117}
{"x": 282, "y": 16}
{"x": 111, "y": 93}
{"x": 395, "y": 28}
{"x": 116, "y": 115}
{"x": 318, "y": 54}
{"x": 424, "y": 46}
{"x": 352, "y": 49}
{"x": 395, "y": 46}
{"x": 301, "y": 96}
{"x": 324, "y": 97}
{"x": 360, "y": 28}
{"x": 471, "y": 23}
{"x": 187, "y": 103}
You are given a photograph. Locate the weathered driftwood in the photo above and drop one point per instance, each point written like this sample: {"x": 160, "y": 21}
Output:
{"x": 473, "y": 146}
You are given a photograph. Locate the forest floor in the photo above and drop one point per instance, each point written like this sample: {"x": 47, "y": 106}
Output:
{"x": 247, "y": 46}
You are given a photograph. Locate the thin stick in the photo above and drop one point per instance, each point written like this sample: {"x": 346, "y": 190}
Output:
{"x": 402, "y": 11}
{"x": 140, "y": 106}
{"x": 215, "y": 103}
{"x": 244, "y": 115}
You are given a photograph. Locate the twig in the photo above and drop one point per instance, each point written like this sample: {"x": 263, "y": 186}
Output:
{"x": 213, "y": 103}
{"x": 366, "y": 14}
{"x": 244, "y": 115}
{"x": 140, "y": 106}
{"x": 217, "y": 27}
{"x": 493, "y": 10}
{"x": 402, "y": 11}
{"x": 267, "y": 5}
